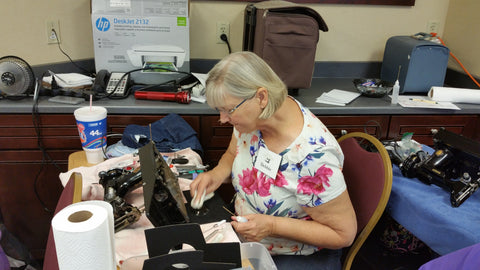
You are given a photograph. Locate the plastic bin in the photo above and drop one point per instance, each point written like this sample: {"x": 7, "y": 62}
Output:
{"x": 258, "y": 256}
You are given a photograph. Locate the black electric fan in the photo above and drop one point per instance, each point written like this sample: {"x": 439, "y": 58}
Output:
{"x": 16, "y": 77}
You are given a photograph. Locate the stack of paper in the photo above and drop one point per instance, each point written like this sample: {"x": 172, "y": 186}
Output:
{"x": 69, "y": 79}
{"x": 337, "y": 97}
{"x": 425, "y": 102}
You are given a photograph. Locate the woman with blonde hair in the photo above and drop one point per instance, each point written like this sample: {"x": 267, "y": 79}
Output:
{"x": 285, "y": 166}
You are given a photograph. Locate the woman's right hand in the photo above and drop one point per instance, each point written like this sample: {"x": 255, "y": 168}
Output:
{"x": 208, "y": 182}
{"x": 205, "y": 182}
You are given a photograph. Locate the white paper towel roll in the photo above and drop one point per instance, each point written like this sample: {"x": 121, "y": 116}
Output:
{"x": 451, "y": 94}
{"x": 84, "y": 236}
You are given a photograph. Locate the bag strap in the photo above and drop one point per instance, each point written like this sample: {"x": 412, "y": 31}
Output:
{"x": 289, "y": 7}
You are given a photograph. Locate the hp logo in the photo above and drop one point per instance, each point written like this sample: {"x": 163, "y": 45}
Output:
{"x": 102, "y": 24}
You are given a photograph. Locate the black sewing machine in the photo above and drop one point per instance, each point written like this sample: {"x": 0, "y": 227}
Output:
{"x": 455, "y": 165}
{"x": 117, "y": 183}
{"x": 164, "y": 203}
{"x": 163, "y": 198}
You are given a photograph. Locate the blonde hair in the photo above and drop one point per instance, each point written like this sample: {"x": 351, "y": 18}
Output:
{"x": 240, "y": 75}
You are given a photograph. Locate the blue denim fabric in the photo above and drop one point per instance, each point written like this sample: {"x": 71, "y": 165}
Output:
{"x": 171, "y": 133}
{"x": 325, "y": 259}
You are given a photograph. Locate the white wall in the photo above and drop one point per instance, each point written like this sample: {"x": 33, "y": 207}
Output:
{"x": 462, "y": 36}
{"x": 357, "y": 32}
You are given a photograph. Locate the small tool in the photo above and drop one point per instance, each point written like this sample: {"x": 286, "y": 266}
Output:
{"x": 179, "y": 160}
{"x": 215, "y": 226}
{"x": 239, "y": 218}
{"x": 216, "y": 235}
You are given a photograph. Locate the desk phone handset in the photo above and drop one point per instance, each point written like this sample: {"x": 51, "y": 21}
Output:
{"x": 106, "y": 82}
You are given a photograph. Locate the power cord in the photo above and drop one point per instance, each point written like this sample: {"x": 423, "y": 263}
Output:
{"x": 45, "y": 156}
{"x": 69, "y": 58}
{"x": 225, "y": 38}
{"x": 110, "y": 95}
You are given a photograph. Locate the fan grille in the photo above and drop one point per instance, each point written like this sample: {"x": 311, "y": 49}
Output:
{"x": 16, "y": 76}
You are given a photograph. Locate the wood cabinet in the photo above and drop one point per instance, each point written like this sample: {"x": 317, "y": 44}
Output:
{"x": 33, "y": 153}
{"x": 422, "y": 125}
{"x": 29, "y": 185}
{"x": 30, "y": 164}
{"x": 376, "y": 125}
{"x": 216, "y": 136}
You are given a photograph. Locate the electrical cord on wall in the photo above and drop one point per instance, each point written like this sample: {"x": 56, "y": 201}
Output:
{"x": 225, "y": 38}
{"x": 69, "y": 58}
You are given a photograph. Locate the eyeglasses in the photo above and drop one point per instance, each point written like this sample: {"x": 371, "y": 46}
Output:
{"x": 231, "y": 111}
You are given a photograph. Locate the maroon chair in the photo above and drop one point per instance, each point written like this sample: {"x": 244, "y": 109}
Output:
{"x": 72, "y": 193}
{"x": 368, "y": 174}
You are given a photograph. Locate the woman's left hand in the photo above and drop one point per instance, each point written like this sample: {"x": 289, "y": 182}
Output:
{"x": 256, "y": 228}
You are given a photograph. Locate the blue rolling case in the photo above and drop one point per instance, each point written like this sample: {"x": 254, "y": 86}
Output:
{"x": 423, "y": 63}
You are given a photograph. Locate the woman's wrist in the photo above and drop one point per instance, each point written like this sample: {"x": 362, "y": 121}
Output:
{"x": 273, "y": 226}
{"x": 218, "y": 177}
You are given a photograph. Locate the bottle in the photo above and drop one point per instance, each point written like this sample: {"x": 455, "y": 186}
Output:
{"x": 396, "y": 88}
{"x": 395, "y": 92}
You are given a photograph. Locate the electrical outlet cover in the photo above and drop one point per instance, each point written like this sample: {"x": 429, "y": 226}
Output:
{"x": 222, "y": 28}
{"x": 52, "y": 37}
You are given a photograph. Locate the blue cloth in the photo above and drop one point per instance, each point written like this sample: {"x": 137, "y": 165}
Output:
{"x": 325, "y": 259}
{"x": 118, "y": 149}
{"x": 425, "y": 211}
{"x": 4, "y": 264}
{"x": 466, "y": 259}
{"x": 170, "y": 134}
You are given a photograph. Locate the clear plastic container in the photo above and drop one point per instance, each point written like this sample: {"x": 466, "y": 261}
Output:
{"x": 257, "y": 255}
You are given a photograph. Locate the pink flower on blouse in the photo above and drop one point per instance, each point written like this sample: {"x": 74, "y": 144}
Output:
{"x": 315, "y": 184}
{"x": 263, "y": 185}
{"x": 280, "y": 180}
{"x": 248, "y": 180}
{"x": 252, "y": 180}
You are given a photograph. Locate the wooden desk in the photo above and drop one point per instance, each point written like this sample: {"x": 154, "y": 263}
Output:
{"x": 77, "y": 159}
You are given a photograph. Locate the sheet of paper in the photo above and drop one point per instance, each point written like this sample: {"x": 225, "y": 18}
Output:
{"x": 202, "y": 77}
{"x": 337, "y": 97}
{"x": 225, "y": 229}
{"x": 425, "y": 102}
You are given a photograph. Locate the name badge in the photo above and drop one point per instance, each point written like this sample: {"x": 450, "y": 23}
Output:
{"x": 268, "y": 162}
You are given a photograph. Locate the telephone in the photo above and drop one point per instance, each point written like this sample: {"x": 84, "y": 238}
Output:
{"x": 106, "y": 82}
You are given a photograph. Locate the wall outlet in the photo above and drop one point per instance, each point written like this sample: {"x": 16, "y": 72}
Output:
{"x": 433, "y": 27}
{"x": 223, "y": 28}
{"x": 53, "y": 31}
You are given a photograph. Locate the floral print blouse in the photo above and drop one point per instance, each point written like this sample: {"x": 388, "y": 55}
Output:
{"x": 309, "y": 175}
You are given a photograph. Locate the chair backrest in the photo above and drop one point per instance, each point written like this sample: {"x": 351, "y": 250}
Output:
{"x": 72, "y": 193}
{"x": 368, "y": 174}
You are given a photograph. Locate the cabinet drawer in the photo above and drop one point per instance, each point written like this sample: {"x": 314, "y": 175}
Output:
{"x": 19, "y": 132}
{"x": 376, "y": 125}
{"x": 214, "y": 134}
{"x": 59, "y": 132}
{"x": 422, "y": 125}
{"x": 215, "y": 138}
